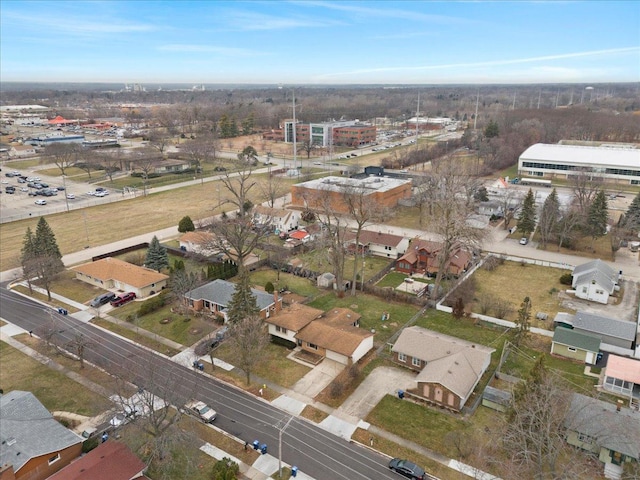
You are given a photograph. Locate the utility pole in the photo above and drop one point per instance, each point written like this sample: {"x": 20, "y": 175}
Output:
{"x": 295, "y": 146}
{"x": 475, "y": 117}
{"x": 280, "y": 431}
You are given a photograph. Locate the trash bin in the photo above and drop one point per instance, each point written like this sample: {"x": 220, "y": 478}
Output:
{"x": 63, "y": 311}
{"x": 294, "y": 471}
{"x": 256, "y": 444}
{"x": 401, "y": 394}
{"x": 263, "y": 448}
{"x": 201, "y": 367}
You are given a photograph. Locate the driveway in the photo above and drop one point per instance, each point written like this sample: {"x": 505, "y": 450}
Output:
{"x": 380, "y": 382}
{"x": 318, "y": 378}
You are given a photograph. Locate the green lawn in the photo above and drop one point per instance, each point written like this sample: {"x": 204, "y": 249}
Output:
{"x": 318, "y": 261}
{"x": 136, "y": 337}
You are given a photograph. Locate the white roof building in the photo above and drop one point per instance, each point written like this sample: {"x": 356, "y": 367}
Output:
{"x": 615, "y": 163}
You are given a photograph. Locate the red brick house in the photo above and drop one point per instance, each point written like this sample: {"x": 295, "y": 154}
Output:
{"x": 422, "y": 257}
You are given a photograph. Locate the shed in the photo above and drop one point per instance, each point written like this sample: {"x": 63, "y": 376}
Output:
{"x": 496, "y": 399}
{"x": 326, "y": 280}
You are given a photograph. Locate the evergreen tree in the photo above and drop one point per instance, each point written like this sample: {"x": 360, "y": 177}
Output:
{"x": 40, "y": 257}
{"x": 186, "y": 225}
{"x": 527, "y": 220}
{"x": 243, "y": 304}
{"x": 481, "y": 195}
{"x": 492, "y": 130}
{"x": 157, "y": 257}
{"x": 549, "y": 218}
{"x": 632, "y": 217}
{"x": 523, "y": 322}
{"x": 597, "y": 217}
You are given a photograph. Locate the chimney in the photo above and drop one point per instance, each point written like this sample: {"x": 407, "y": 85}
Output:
{"x": 277, "y": 301}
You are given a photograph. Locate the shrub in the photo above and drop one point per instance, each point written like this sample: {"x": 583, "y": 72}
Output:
{"x": 153, "y": 304}
{"x": 491, "y": 263}
{"x": 566, "y": 279}
{"x": 269, "y": 288}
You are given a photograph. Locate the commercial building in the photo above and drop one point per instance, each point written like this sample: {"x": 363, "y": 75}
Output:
{"x": 330, "y": 192}
{"x": 348, "y": 133}
{"x": 612, "y": 163}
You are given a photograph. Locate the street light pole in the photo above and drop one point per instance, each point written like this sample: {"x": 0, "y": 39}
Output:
{"x": 280, "y": 431}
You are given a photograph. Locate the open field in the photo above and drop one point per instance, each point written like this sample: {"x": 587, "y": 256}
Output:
{"x": 54, "y": 389}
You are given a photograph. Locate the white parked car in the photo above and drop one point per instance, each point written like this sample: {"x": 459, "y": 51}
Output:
{"x": 71, "y": 196}
{"x": 524, "y": 241}
{"x": 99, "y": 194}
{"x": 41, "y": 202}
{"x": 24, "y": 189}
{"x": 91, "y": 192}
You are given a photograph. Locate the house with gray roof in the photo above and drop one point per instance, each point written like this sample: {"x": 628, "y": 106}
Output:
{"x": 448, "y": 368}
{"x": 31, "y": 440}
{"x": 594, "y": 281}
{"x": 607, "y": 430}
{"x": 215, "y": 296}
{"x": 576, "y": 345}
{"x": 611, "y": 331}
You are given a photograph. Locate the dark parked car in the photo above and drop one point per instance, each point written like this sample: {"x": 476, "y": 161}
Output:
{"x": 102, "y": 299}
{"x": 407, "y": 469}
{"x": 122, "y": 299}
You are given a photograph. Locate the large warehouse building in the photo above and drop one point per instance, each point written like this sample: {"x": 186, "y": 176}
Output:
{"x": 616, "y": 164}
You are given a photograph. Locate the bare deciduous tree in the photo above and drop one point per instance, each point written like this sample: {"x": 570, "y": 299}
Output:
{"x": 248, "y": 338}
{"x": 63, "y": 155}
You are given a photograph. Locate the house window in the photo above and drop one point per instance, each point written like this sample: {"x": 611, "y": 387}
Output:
{"x": 416, "y": 362}
{"x": 312, "y": 346}
{"x": 584, "y": 289}
{"x": 571, "y": 349}
{"x": 599, "y": 292}
{"x": 281, "y": 329}
{"x": 584, "y": 438}
{"x": 402, "y": 357}
{"x": 54, "y": 459}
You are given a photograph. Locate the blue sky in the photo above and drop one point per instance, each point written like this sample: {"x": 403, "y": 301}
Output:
{"x": 320, "y": 42}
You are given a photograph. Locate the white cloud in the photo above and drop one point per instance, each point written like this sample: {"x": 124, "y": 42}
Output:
{"x": 192, "y": 48}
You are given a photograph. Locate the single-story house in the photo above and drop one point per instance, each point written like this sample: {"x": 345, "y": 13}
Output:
{"x": 336, "y": 335}
{"x": 198, "y": 242}
{"x": 490, "y": 208}
{"x": 611, "y": 331}
{"x": 170, "y": 166}
{"x": 291, "y": 320}
{"x": 496, "y": 399}
{"x": 108, "y": 461}
{"x": 34, "y": 444}
{"x": 377, "y": 243}
{"x": 594, "y": 281}
{"x": 422, "y": 257}
{"x": 22, "y": 151}
{"x": 301, "y": 235}
{"x": 622, "y": 377}
{"x": 605, "y": 429}
{"x": 216, "y": 295}
{"x": 113, "y": 274}
{"x": 576, "y": 345}
{"x": 281, "y": 219}
{"x": 448, "y": 368}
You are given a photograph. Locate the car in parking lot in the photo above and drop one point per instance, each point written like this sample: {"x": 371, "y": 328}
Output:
{"x": 407, "y": 469}
{"x": 41, "y": 202}
{"x": 71, "y": 196}
{"x": 24, "y": 189}
{"x": 524, "y": 241}
{"x": 122, "y": 299}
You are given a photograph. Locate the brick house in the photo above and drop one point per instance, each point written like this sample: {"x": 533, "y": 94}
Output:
{"x": 447, "y": 368}
{"x": 422, "y": 257}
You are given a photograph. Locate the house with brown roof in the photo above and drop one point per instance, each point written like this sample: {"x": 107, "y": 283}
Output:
{"x": 377, "y": 243}
{"x": 108, "y": 461}
{"x": 422, "y": 257}
{"x": 337, "y": 336}
{"x": 447, "y": 368}
{"x": 290, "y": 321}
{"x": 114, "y": 274}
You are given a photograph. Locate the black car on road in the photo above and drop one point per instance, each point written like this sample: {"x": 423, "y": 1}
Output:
{"x": 407, "y": 469}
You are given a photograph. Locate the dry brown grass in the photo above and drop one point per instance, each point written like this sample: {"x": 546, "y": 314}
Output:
{"x": 513, "y": 282}
{"x": 313, "y": 414}
{"x": 119, "y": 220}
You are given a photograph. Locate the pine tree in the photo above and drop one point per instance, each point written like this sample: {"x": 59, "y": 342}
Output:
{"x": 243, "y": 303}
{"x": 157, "y": 257}
{"x": 492, "y": 130}
{"x": 597, "y": 217}
{"x": 549, "y": 218}
{"x": 523, "y": 322}
{"x": 632, "y": 217}
{"x": 186, "y": 225}
{"x": 40, "y": 256}
{"x": 527, "y": 220}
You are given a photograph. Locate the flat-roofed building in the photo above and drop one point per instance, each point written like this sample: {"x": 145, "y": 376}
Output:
{"x": 616, "y": 164}
{"x": 331, "y": 192}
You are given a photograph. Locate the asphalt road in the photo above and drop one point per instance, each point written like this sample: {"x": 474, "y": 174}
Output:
{"x": 315, "y": 451}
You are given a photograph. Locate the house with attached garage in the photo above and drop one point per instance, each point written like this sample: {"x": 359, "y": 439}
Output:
{"x": 422, "y": 257}
{"x": 576, "y": 345}
{"x": 594, "y": 281}
{"x": 215, "y": 296}
{"x": 609, "y": 431}
{"x": 447, "y": 368}
{"x": 286, "y": 325}
{"x": 114, "y": 274}
{"x": 34, "y": 444}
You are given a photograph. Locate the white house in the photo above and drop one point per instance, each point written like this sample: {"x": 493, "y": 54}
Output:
{"x": 198, "y": 242}
{"x": 594, "y": 281}
{"x": 282, "y": 220}
{"x": 22, "y": 151}
{"x": 378, "y": 243}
